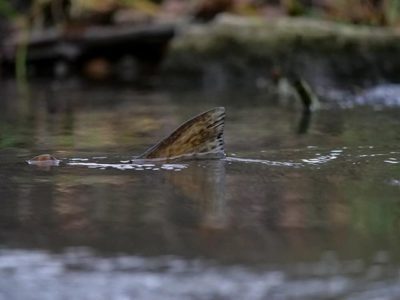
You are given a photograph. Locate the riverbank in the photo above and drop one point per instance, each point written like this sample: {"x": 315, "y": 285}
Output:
{"x": 230, "y": 50}
{"x": 252, "y": 51}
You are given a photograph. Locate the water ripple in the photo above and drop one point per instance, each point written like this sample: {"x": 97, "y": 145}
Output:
{"x": 78, "y": 274}
{"x": 322, "y": 159}
{"x": 264, "y": 162}
{"x": 129, "y": 166}
{"x": 316, "y": 157}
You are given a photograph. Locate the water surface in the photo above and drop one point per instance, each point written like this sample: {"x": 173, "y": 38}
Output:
{"x": 302, "y": 207}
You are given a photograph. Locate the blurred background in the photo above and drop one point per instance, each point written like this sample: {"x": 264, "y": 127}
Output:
{"x": 306, "y": 204}
{"x": 135, "y": 39}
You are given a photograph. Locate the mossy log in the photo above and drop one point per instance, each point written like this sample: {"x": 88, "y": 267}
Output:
{"x": 77, "y": 46}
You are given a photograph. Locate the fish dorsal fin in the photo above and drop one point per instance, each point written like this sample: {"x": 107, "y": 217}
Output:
{"x": 200, "y": 137}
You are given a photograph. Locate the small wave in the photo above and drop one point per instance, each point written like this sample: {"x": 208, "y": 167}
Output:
{"x": 316, "y": 157}
{"x": 323, "y": 159}
{"x": 264, "y": 162}
{"x": 317, "y": 160}
{"x": 394, "y": 182}
{"x": 129, "y": 166}
{"x": 383, "y": 95}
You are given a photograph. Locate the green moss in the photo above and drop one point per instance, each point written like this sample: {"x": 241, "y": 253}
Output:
{"x": 6, "y": 10}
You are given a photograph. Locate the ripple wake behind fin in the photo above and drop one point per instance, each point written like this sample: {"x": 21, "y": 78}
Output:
{"x": 200, "y": 137}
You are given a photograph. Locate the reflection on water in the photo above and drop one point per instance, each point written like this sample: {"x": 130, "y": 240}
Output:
{"x": 286, "y": 215}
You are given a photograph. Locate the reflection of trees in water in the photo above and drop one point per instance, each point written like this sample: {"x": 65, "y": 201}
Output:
{"x": 60, "y": 116}
{"x": 209, "y": 208}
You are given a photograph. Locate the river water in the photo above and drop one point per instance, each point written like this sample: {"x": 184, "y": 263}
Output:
{"x": 303, "y": 207}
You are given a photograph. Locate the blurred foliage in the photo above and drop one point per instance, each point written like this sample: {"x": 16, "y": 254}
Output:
{"x": 358, "y": 11}
{"x": 98, "y": 6}
{"x": 6, "y": 10}
{"x": 369, "y": 12}
{"x": 293, "y": 7}
{"x": 392, "y": 11}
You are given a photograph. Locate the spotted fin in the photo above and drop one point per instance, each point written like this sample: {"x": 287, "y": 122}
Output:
{"x": 200, "y": 137}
